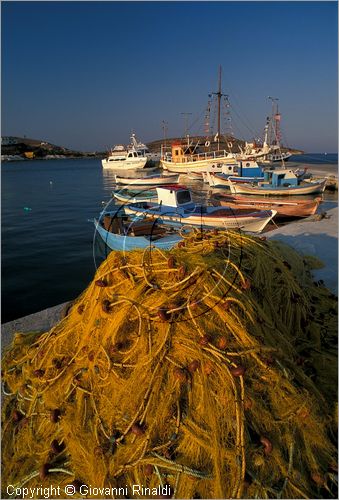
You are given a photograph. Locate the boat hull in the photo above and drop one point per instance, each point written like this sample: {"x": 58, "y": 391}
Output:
{"x": 291, "y": 208}
{"x": 225, "y": 218}
{"x": 128, "y": 164}
{"x": 309, "y": 188}
{"x": 121, "y": 242}
{"x": 214, "y": 164}
{"x": 215, "y": 180}
{"x": 148, "y": 181}
{"x": 131, "y": 197}
{"x": 274, "y": 158}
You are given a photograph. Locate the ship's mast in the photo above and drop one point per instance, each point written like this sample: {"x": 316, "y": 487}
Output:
{"x": 186, "y": 115}
{"x": 219, "y": 94}
{"x": 275, "y": 121}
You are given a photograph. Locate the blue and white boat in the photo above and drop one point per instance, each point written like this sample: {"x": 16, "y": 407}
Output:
{"x": 242, "y": 171}
{"x": 176, "y": 207}
{"x": 279, "y": 183}
{"x": 125, "y": 235}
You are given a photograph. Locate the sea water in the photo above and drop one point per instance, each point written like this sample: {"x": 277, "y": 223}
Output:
{"x": 49, "y": 248}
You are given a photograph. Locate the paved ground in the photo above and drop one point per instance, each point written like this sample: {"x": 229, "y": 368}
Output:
{"x": 316, "y": 236}
{"x": 40, "y": 321}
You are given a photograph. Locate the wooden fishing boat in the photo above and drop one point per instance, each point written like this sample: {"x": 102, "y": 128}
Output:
{"x": 123, "y": 234}
{"x": 206, "y": 156}
{"x": 284, "y": 208}
{"x": 128, "y": 196}
{"x": 279, "y": 182}
{"x": 152, "y": 180}
{"x": 176, "y": 207}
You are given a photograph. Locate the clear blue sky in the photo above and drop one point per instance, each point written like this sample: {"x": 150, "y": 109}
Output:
{"x": 85, "y": 74}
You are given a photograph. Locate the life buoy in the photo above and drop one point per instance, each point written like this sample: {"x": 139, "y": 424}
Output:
{"x": 207, "y": 144}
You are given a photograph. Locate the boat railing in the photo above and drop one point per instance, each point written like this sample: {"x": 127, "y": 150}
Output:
{"x": 209, "y": 155}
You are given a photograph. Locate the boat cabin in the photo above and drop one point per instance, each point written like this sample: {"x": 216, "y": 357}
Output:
{"x": 181, "y": 153}
{"x": 175, "y": 196}
{"x": 248, "y": 168}
{"x": 281, "y": 178}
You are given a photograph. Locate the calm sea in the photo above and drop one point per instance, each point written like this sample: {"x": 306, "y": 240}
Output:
{"x": 48, "y": 254}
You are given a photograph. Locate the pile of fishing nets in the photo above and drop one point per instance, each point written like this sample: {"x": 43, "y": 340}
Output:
{"x": 207, "y": 371}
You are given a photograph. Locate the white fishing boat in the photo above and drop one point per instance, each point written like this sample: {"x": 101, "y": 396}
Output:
{"x": 243, "y": 171}
{"x": 151, "y": 180}
{"x": 279, "y": 183}
{"x": 119, "y": 158}
{"x": 175, "y": 206}
{"x": 131, "y": 157}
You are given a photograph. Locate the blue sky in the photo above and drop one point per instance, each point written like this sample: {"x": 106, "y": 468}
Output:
{"x": 85, "y": 74}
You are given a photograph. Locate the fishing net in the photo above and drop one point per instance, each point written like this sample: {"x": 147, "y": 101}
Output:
{"x": 207, "y": 371}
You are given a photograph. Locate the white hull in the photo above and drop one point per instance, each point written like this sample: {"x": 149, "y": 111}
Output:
{"x": 205, "y": 165}
{"x": 254, "y": 222}
{"x": 128, "y": 164}
{"x": 148, "y": 181}
{"x": 275, "y": 157}
{"x": 311, "y": 188}
{"x": 217, "y": 181}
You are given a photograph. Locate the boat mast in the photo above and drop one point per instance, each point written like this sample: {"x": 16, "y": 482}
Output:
{"x": 275, "y": 119}
{"x": 186, "y": 115}
{"x": 219, "y": 94}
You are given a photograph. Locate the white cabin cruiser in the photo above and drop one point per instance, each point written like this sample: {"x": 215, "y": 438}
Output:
{"x": 121, "y": 158}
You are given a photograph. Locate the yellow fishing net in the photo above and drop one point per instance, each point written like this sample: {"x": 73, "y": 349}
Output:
{"x": 207, "y": 371}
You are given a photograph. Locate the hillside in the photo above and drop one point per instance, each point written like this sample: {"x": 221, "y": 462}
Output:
{"x": 38, "y": 149}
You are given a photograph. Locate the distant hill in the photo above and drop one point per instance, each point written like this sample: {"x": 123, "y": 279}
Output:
{"x": 35, "y": 148}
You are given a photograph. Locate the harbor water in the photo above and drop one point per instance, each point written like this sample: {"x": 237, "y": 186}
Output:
{"x": 49, "y": 248}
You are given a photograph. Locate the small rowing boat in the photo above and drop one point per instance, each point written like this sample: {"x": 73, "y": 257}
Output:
{"x": 128, "y": 196}
{"x": 284, "y": 208}
{"x": 152, "y": 180}
{"x": 123, "y": 234}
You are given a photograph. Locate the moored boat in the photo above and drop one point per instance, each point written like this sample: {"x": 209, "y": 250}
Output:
{"x": 152, "y": 180}
{"x": 279, "y": 183}
{"x": 120, "y": 158}
{"x": 132, "y": 157}
{"x": 175, "y": 206}
{"x": 128, "y": 196}
{"x": 187, "y": 157}
{"x": 284, "y": 208}
{"x": 125, "y": 235}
